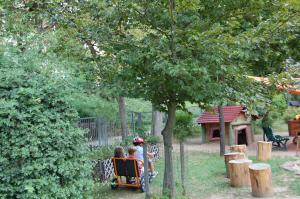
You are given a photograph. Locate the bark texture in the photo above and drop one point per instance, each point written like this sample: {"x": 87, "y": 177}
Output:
{"x": 157, "y": 122}
{"x": 232, "y": 156}
{"x": 123, "y": 117}
{"x": 261, "y": 180}
{"x": 168, "y": 183}
{"x": 146, "y": 173}
{"x": 222, "y": 130}
{"x": 182, "y": 167}
{"x": 242, "y": 148}
{"x": 264, "y": 150}
{"x": 239, "y": 172}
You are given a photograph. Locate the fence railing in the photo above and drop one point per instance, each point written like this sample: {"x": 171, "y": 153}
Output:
{"x": 99, "y": 131}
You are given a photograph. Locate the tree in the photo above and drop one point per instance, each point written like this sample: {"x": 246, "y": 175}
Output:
{"x": 94, "y": 31}
{"x": 171, "y": 52}
{"x": 191, "y": 51}
{"x": 43, "y": 152}
{"x": 183, "y": 129}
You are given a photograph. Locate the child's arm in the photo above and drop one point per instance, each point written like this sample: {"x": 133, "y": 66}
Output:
{"x": 151, "y": 155}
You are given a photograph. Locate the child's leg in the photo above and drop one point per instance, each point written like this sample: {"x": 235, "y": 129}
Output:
{"x": 151, "y": 166}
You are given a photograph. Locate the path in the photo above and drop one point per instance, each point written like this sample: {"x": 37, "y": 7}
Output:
{"x": 193, "y": 144}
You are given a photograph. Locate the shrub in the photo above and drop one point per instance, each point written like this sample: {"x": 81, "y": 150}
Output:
{"x": 184, "y": 125}
{"x": 290, "y": 113}
{"x": 43, "y": 153}
{"x": 103, "y": 152}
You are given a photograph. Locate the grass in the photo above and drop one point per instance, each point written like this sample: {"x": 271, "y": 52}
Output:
{"x": 205, "y": 177}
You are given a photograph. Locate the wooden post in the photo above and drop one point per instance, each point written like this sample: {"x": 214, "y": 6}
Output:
{"x": 232, "y": 156}
{"x": 222, "y": 130}
{"x": 264, "y": 150}
{"x": 203, "y": 134}
{"x": 261, "y": 180}
{"x": 239, "y": 172}
{"x": 231, "y": 135}
{"x": 146, "y": 173}
{"x": 298, "y": 146}
{"x": 239, "y": 148}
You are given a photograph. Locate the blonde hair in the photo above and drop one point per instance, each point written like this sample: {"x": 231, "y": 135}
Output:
{"x": 131, "y": 150}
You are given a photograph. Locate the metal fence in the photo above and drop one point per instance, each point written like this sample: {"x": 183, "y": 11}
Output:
{"x": 99, "y": 131}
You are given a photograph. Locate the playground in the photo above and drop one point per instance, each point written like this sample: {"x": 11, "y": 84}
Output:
{"x": 206, "y": 174}
{"x": 132, "y": 99}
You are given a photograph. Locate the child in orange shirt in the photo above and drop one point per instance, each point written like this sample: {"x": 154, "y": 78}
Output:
{"x": 132, "y": 154}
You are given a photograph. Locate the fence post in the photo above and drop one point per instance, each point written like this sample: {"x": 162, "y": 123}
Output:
{"x": 104, "y": 133}
{"x": 139, "y": 120}
{"x": 132, "y": 122}
{"x": 98, "y": 130}
{"x": 146, "y": 173}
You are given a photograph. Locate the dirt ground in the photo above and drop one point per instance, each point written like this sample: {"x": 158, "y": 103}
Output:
{"x": 193, "y": 144}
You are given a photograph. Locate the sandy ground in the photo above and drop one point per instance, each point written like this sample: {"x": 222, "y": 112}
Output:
{"x": 194, "y": 144}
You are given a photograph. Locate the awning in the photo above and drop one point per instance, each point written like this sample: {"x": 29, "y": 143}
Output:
{"x": 295, "y": 92}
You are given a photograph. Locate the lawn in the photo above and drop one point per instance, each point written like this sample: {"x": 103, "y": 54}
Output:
{"x": 206, "y": 179}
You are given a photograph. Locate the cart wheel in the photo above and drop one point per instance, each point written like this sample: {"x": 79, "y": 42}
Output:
{"x": 114, "y": 183}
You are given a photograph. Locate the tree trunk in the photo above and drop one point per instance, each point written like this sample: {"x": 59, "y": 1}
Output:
{"x": 146, "y": 173}
{"x": 123, "y": 117}
{"x": 157, "y": 123}
{"x": 222, "y": 130}
{"x": 182, "y": 167}
{"x": 168, "y": 183}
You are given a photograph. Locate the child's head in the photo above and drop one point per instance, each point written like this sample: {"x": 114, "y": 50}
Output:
{"x": 119, "y": 152}
{"x": 138, "y": 141}
{"x": 131, "y": 150}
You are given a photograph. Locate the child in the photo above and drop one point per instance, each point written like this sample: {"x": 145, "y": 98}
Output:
{"x": 132, "y": 154}
{"x": 119, "y": 152}
{"x": 138, "y": 143}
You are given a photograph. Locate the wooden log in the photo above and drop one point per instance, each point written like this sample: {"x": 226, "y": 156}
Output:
{"x": 261, "y": 180}
{"x": 264, "y": 150}
{"x": 242, "y": 148}
{"x": 239, "y": 172}
{"x": 232, "y": 156}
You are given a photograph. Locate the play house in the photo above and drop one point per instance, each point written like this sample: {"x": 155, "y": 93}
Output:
{"x": 238, "y": 128}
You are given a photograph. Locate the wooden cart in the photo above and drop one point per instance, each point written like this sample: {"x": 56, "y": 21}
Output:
{"x": 294, "y": 129}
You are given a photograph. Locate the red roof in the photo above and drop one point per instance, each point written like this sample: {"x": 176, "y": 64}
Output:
{"x": 230, "y": 113}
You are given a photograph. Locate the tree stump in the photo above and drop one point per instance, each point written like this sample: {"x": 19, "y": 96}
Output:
{"x": 264, "y": 150}
{"x": 239, "y": 172}
{"x": 239, "y": 148}
{"x": 261, "y": 180}
{"x": 232, "y": 156}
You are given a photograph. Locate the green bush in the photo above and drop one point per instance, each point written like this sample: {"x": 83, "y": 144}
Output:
{"x": 43, "y": 153}
{"x": 103, "y": 152}
{"x": 184, "y": 125}
{"x": 290, "y": 113}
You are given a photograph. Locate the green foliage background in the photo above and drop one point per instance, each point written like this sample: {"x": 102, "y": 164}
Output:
{"x": 43, "y": 153}
{"x": 184, "y": 125}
